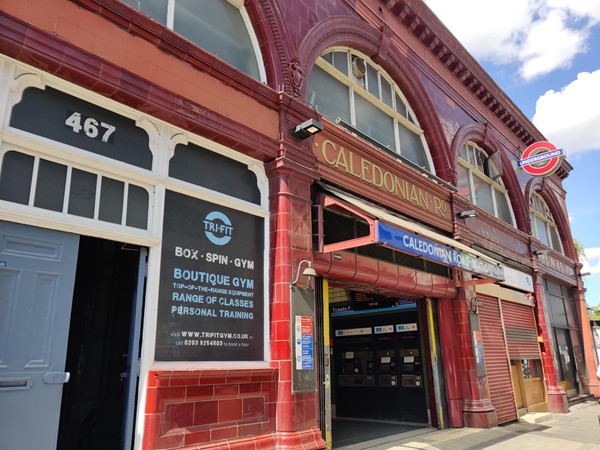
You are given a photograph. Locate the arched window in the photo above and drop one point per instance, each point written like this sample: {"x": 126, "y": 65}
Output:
{"x": 347, "y": 86}
{"x": 221, "y": 27}
{"x": 480, "y": 181}
{"x": 543, "y": 226}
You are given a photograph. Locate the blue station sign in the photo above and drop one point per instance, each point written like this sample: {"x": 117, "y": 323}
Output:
{"x": 413, "y": 244}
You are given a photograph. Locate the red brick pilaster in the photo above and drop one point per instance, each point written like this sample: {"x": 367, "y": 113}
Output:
{"x": 557, "y": 398}
{"x": 478, "y": 410}
{"x": 291, "y": 241}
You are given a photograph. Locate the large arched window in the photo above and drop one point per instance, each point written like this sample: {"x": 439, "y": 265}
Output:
{"x": 347, "y": 86}
{"x": 543, "y": 226}
{"x": 221, "y": 27}
{"x": 480, "y": 180}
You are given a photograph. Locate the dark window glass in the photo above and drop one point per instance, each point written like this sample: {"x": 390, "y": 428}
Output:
{"x": 111, "y": 200}
{"x": 137, "y": 207}
{"x": 411, "y": 147}
{"x": 15, "y": 177}
{"x": 82, "y": 197}
{"x": 50, "y": 188}
{"x": 218, "y": 27}
{"x": 328, "y": 95}
{"x": 213, "y": 171}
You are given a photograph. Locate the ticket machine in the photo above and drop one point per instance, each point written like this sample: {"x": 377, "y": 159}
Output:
{"x": 355, "y": 379}
{"x": 387, "y": 376}
{"x": 411, "y": 369}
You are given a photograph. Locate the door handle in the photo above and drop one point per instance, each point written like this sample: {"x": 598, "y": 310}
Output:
{"x": 57, "y": 377}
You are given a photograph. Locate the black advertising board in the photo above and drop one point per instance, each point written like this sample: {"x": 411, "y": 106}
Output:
{"x": 211, "y": 295}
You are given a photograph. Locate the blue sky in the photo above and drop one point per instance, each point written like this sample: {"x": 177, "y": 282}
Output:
{"x": 545, "y": 54}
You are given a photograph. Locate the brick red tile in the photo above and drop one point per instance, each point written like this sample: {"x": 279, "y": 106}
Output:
{"x": 238, "y": 377}
{"x": 250, "y": 388}
{"x": 206, "y": 413}
{"x": 223, "y": 433}
{"x": 178, "y": 415}
{"x": 199, "y": 392}
{"x": 197, "y": 437}
{"x": 151, "y": 424}
{"x": 251, "y": 429}
{"x": 151, "y": 400}
{"x": 246, "y": 444}
{"x": 265, "y": 442}
{"x": 189, "y": 380}
{"x": 253, "y": 408}
{"x": 226, "y": 390}
{"x": 230, "y": 410}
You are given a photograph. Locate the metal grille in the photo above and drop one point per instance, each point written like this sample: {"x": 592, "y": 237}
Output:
{"x": 496, "y": 360}
{"x": 521, "y": 331}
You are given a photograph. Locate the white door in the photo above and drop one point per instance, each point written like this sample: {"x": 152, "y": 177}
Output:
{"x": 37, "y": 275}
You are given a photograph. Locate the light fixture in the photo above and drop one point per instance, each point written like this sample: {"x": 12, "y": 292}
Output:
{"x": 584, "y": 274}
{"x": 540, "y": 252}
{"x": 467, "y": 213}
{"x": 308, "y": 272}
{"x": 307, "y": 129}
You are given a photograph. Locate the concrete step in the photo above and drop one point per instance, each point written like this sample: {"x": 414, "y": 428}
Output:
{"x": 535, "y": 417}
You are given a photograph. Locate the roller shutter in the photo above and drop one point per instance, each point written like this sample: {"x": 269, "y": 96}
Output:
{"x": 496, "y": 360}
{"x": 521, "y": 331}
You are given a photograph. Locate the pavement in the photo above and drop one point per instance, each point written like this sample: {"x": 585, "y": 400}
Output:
{"x": 576, "y": 430}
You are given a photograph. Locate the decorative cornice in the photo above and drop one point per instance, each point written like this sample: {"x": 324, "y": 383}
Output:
{"x": 427, "y": 28}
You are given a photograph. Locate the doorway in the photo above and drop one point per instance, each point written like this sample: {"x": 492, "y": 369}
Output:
{"x": 70, "y": 327}
{"x": 94, "y": 402}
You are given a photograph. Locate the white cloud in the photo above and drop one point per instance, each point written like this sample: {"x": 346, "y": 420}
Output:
{"x": 539, "y": 36}
{"x": 570, "y": 118}
{"x": 591, "y": 261}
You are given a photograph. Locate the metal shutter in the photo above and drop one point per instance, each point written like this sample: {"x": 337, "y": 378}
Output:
{"x": 496, "y": 360}
{"x": 521, "y": 331}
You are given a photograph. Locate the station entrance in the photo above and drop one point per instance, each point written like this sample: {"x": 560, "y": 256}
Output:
{"x": 379, "y": 366}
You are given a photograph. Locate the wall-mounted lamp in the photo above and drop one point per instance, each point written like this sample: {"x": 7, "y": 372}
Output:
{"x": 540, "y": 252}
{"x": 307, "y": 129}
{"x": 584, "y": 274}
{"x": 308, "y": 272}
{"x": 467, "y": 213}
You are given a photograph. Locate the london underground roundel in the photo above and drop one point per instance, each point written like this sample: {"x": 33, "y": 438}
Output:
{"x": 541, "y": 158}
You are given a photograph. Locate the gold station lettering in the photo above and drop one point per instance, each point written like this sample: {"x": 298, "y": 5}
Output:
{"x": 371, "y": 173}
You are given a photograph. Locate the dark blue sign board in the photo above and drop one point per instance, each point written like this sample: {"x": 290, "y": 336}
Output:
{"x": 418, "y": 246}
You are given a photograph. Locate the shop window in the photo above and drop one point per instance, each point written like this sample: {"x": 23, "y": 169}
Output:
{"x": 543, "y": 226}
{"x": 532, "y": 368}
{"x": 480, "y": 181}
{"x": 213, "y": 171}
{"x": 347, "y": 87}
{"x": 219, "y": 26}
{"x": 65, "y": 189}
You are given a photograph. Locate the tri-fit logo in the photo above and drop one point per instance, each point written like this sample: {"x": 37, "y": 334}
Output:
{"x": 218, "y": 228}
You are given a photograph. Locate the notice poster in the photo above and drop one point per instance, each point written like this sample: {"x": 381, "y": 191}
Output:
{"x": 211, "y": 295}
{"x": 303, "y": 329}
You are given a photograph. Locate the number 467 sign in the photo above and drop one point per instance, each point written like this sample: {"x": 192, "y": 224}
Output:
{"x": 90, "y": 127}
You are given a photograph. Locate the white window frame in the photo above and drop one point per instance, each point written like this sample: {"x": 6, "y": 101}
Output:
{"x": 494, "y": 184}
{"x": 354, "y": 88}
{"x": 536, "y": 201}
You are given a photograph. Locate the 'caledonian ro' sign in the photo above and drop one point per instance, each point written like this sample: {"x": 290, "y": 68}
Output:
{"x": 386, "y": 180}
